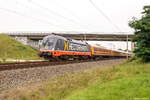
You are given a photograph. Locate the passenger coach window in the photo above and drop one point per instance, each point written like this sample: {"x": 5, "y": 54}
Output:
{"x": 59, "y": 44}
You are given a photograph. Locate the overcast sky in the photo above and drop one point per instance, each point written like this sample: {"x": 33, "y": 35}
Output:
{"x": 68, "y": 15}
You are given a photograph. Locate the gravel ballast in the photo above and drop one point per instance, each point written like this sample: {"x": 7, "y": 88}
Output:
{"x": 22, "y": 77}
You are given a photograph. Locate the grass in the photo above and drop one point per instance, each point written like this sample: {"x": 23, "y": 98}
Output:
{"x": 12, "y": 49}
{"x": 8, "y": 61}
{"x": 128, "y": 81}
{"x": 137, "y": 87}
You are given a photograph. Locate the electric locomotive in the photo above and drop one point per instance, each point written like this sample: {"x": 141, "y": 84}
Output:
{"x": 58, "y": 47}
{"x": 55, "y": 47}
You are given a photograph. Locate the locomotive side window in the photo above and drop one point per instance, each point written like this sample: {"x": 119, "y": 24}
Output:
{"x": 59, "y": 45}
{"x": 78, "y": 47}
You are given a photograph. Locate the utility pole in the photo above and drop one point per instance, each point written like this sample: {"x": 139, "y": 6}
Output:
{"x": 127, "y": 47}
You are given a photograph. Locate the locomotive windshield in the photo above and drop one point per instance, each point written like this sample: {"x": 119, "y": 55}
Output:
{"x": 48, "y": 44}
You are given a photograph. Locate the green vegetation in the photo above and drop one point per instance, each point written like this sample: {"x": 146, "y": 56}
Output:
{"x": 128, "y": 81}
{"x": 137, "y": 87}
{"x": 3, "y": 61}
{"x": 12, "y": 49}
{"x": 142, "y": 35}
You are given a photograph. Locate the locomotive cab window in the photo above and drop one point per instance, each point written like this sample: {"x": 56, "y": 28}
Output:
{"x": 59, "y": 45}
{"x": 48, "y": 44}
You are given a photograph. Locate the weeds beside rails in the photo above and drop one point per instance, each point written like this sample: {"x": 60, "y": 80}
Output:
{"x": 64, "y": 86}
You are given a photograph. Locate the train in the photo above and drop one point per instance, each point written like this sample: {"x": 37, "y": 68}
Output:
{"x": 54, "y": 47}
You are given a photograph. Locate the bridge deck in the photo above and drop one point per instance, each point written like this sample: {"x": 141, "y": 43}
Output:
{"x": 88, "y": 37}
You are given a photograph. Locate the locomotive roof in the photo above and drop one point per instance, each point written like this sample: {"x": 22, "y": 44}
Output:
{"x": 63, "y": 38}
{"x": 55, "y": 36}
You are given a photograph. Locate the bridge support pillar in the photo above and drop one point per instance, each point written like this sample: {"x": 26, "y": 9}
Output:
{"x": 28, "y": 41}
{"x": 23, "y": 40}
{"x": 33, "y": 43}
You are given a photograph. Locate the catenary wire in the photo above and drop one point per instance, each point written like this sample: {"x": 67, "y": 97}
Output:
{"x": 101, "y": 12}
{"x": 55, "y": 13}
{"x": 71, "y": 13}
{"x": 31, "y": 17}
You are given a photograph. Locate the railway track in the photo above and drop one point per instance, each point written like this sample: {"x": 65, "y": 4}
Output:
{"x": 22, "y": 65}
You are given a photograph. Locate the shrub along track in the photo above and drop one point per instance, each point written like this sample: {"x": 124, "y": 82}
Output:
{"x": 16, "y": 78}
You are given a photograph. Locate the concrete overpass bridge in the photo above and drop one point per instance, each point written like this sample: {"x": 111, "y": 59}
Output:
{"x": 78, "y": 36}
{"x": 34, "y": 38}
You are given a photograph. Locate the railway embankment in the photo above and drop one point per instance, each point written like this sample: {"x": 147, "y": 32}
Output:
{"x": 11, "y": 80}
{"x": 123, "y": 81}
{"x": 15, "y": 78}
{"x": 12, "y": 49}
